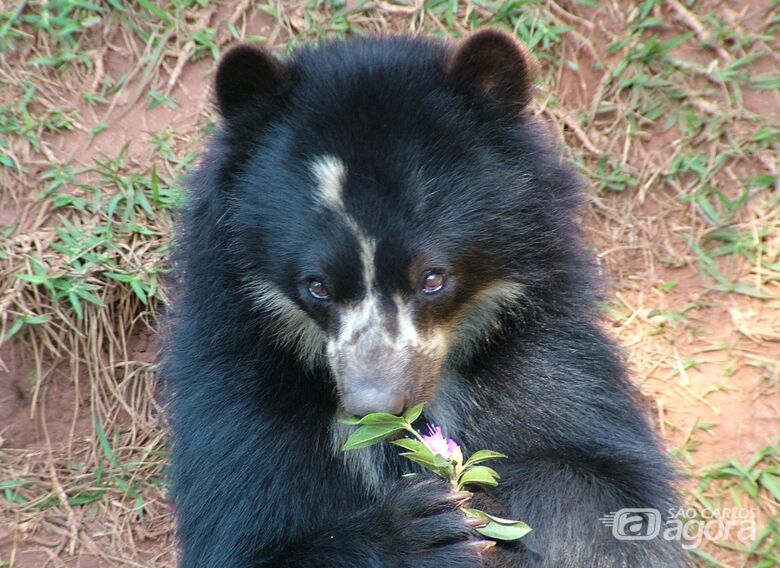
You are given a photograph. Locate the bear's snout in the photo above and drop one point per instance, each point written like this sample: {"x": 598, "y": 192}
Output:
{"x": 365, "y": 398}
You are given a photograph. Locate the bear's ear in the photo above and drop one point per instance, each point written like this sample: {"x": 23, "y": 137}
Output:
{"x": 248, "y": 77}
{"x": 495, "y": 64}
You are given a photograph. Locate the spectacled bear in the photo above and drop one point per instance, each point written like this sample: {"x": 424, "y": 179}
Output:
{"x": 377, "y": 223}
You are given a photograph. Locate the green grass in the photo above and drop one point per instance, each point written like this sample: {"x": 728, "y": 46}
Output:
{"x": 753, "y": 486}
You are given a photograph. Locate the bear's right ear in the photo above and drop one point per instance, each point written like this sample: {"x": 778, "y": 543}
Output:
{"x": 494, "y": 64}
{"x": 248, "y": 77}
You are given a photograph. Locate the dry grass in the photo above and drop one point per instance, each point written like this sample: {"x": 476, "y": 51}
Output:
{"x": 670, "y": 109}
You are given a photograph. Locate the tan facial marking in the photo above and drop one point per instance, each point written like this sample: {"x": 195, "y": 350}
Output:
{"x": 293, "y": 327}
{"x": 475, "y": 321}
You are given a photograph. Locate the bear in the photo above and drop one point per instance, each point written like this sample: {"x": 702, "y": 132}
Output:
{"x": 379, "y": 222}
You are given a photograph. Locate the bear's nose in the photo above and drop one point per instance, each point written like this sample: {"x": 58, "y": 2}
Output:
{"x": 365, "y": 400}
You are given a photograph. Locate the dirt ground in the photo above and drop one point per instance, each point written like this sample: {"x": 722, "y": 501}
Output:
{"x": 671, "y": 110}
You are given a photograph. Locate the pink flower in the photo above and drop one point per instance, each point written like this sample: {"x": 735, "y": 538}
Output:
{"x": 442, "y": 446}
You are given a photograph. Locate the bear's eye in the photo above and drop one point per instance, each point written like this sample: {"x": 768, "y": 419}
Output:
{"x": 318, "y": 290}
{"x": 433, "y": 281}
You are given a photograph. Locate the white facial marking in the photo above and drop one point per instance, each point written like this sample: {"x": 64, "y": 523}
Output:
{"x": 358, "y": 319}
{"x": 364, "y": 328}
{"x": 362, "y": 333}
{"x": 292, "y": 326}
{"x": 407, "y": 331}
{"x": 330, "y": 173}
{"x": 367, "y": 254}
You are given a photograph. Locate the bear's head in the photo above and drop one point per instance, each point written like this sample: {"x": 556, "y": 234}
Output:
{"x": 391, "y": 206}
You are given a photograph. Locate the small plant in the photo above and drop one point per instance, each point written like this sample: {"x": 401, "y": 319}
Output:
{"x": 440, "y": 455}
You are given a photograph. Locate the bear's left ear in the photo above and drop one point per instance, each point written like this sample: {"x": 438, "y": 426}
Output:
{"x": 249, "y": 78}
{"x": 496, "y": 65}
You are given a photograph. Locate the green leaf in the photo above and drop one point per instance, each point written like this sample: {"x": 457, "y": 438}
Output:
{"x": 88, "y": 296}
{"x": 13, "y": 483}
{"x": 25, "y": 320}
{"x": 421, "y": 454}
{"x": 126, "y": 488}
{"x": 414, "y": 413}
{"x": 105, "y": 446}
{"x": 770, "y": 482}
{"x": 33, "y": 278}
{"x": 765, "y": 82}
{"x": 479, "y": 474}
{"x": 488, "y": 516}
{"x": 76, "y": 305}
{"x": 439, "y": 466}
{"x": 375, "y": 418}
{"x": 498, "y": 531}
{"x": 412, "y": 445}
{"x": 382, "y": 418}
{"x": 498, "y": 528}
{"x": 139, "y": 291}
{"x": 154, "y": 183}
{"x": 481, "y": 456}
{"x": 37, "y": 320}
{"x": 14, "y": 329}
{"x": 144, "y": 203}
{"x": 369, "y": 435}
{"x": 86, "y": 498}
{"x": 119, "y": 277}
